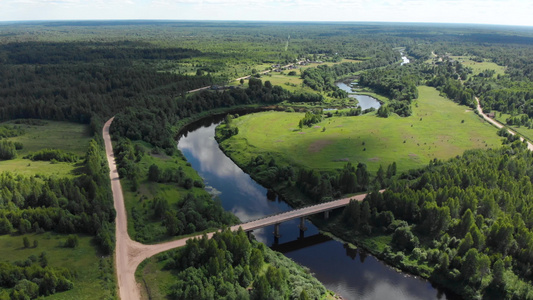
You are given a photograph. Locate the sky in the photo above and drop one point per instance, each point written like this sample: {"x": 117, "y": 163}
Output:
{"x": 505, "y": 12}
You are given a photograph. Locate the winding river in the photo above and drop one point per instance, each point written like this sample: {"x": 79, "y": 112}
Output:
{"x": 350, "y": 273}
{"x": 365, "y": 101}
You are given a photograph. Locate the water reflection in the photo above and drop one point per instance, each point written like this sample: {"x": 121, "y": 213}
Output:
{"x": 364, "y": 278}
{"x": 364, "y": 101}
{"x": 335, "y": 265}
{"x": 225, "y": 177}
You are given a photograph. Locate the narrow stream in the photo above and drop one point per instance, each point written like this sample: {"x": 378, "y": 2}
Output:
{"x": 350, "y": 273}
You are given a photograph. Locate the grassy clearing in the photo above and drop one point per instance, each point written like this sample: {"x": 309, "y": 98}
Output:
{"x": 82, "y": 260}
{"x": 155, "y": 281}
{"x": 141, "y": 199}
{"x": 435, "y": 130}
{"x": 28, "y": 167}
{"x": 479, "y": 67}
{"x": 70, "y": 137}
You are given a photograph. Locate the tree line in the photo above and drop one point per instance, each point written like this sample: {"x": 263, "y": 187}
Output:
{"x": 466, "y": 222}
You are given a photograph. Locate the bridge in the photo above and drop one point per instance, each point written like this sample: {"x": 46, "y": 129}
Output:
{"x": 301, "y": 213}
{"x": 129, "y": 254}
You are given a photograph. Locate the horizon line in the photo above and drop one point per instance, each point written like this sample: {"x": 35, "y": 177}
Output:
{"x": 262, "y": 21}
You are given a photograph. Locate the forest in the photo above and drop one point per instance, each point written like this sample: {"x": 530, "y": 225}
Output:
{"x": 140, "y": 72}
{"x": 224, "y": 266}
{"x": 465, "y": 222}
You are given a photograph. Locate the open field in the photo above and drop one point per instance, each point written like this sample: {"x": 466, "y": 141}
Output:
{"x": 70, "y": 137}
{"x": 479, "y": 67}
{"x": 83, "y": 260}
{"x": 435, "y": 130}
{"x": 28, "y": 167}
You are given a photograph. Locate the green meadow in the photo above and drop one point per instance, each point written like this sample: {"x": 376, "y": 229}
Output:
{"x": 93, "y": 274}
{"x": 479, "y": 67}
{"x": 438, "y": 129}
{"x": 69, "y": 137}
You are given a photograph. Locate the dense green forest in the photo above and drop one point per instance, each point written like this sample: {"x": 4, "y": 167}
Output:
{"x": 465, "y": 222}
{"x": 228, "y": 264}
{"x": 140, "y": 72}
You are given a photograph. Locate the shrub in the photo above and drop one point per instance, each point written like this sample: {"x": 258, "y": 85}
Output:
{"x": 72, "y": 241}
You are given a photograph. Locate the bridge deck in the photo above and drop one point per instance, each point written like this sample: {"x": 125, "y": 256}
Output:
{"x": 297, "y": 213}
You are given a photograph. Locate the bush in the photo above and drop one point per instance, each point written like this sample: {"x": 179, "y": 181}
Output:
{"x": 72, "y": 241}
{"x": 51, "y": 155}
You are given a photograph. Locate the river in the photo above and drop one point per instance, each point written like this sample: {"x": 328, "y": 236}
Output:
{"x": 350, "y": 273}
{"x": 365, "y": 101}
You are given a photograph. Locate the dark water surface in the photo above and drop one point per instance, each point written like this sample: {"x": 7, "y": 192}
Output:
{"x": 364, "y": 101}
{"x": 350, "y": 273}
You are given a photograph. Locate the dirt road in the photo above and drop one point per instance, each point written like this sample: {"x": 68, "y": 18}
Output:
{"x": 498, "y": 124}
{"x": 128, "y": 253}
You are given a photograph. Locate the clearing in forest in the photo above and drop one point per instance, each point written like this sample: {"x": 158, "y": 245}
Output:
{"x": 38, "y": 135}
{"x": 438, "y": 129}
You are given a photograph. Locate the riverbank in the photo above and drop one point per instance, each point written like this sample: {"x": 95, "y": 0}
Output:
{"x": 339, "y": 268}
{"x": 377, "y": 245}
{"x": 131, "y": 253}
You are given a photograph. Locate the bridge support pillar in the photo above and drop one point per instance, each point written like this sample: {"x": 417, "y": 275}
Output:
{"x": 326, "y": 215}
{"x": 249, "y": 234}
{"x": 276, "y": 231}
{"x": 302, "y": 234}
{"x": 302, "y": 224}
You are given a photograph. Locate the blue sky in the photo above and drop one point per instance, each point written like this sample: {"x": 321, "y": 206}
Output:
{"x": 508, "y": 12}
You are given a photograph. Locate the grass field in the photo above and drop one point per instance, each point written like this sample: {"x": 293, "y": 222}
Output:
{"x": 435, "y": 130}
{"x": 70, "y": 137}
{"x": 141, "y": 199}
{"x": 479, "y": 67}
{"x": 89, "y": 283}
{"x": 155, "y": 281}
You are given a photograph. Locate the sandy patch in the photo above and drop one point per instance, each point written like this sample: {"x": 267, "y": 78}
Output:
{"x": 374, "y": 159}
{"x": 412, "y": 155}
{"x": 318, "y": 145}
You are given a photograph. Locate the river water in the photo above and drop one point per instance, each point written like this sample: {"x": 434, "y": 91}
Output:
{"x": 350, "y": 273}
{"x": 365, "y": 101}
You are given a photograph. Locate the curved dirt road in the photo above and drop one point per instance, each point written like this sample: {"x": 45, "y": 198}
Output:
{"x": 498, "y": 124}
{"x": 129, "y": 254}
